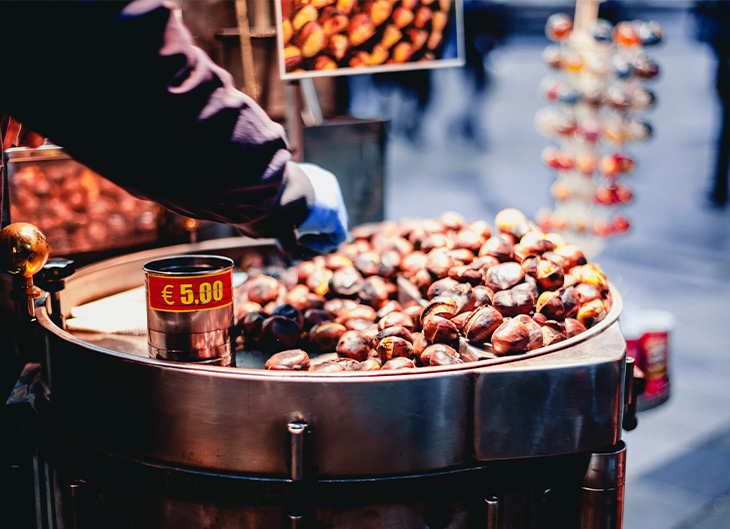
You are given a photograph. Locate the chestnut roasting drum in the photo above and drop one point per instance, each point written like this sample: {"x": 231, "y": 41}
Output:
{"x": 430, "y": 373}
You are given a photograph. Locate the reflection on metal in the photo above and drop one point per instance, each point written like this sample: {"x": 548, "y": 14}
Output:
{"x": 602, "y": 491}
{"x": 297, "y": 431}
{"x": 492, "y": 512}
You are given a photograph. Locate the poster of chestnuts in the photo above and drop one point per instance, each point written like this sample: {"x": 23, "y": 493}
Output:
{"x": 344, "y": 37}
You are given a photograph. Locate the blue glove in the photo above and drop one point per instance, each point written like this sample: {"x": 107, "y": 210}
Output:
{"x": 326, "y": 226}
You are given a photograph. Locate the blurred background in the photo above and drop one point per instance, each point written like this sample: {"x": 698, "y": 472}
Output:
{"x": 464, "y": 139}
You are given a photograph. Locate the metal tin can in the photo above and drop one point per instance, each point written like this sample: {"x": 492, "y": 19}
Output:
{"x": 190, "y": 309}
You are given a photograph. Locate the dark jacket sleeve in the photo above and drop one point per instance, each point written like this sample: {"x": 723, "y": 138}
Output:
{"x": 121, "y": 86}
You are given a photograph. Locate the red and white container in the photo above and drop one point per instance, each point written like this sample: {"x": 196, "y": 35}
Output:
{"x": 647, "y": 333}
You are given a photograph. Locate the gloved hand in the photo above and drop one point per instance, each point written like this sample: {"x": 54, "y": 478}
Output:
{"x": 326, "y": 226}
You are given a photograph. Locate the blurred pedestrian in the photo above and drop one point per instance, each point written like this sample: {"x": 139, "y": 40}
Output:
{"x": 486, "y": 24}
{"x": 713, "y": 17}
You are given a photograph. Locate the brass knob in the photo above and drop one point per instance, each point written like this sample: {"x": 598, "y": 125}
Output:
{"x": 23, "y": 249}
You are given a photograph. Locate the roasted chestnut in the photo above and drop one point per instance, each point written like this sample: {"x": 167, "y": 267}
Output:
{"x": 504, "y": 275}
{"x": 512, "y": 337}
{"x": 325, "y": 336}
{"x": 399, "y": 362}
{"x": 438, "y": 329}
{"x": 481, "y": 324}
{"x": 289, "y": 360}
{"x": 279, "y": 333}
{"x": 345, "y": 282}
{"x": 262, "y": 289}
{"x": 393, "y": 346}
{"x": 441, "y": 353}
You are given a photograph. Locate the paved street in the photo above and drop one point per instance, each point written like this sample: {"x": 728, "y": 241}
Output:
{"x": 676, "y": 256}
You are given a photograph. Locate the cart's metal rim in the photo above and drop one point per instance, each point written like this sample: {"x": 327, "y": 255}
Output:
{"x": 611, "y": 317}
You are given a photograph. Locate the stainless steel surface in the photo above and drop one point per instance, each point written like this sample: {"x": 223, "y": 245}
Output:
{"x": 602, "y": 493}
{"x": 570, "y": 400}
{"x": 567, "y": 401}
{"x": 194, "y": 329}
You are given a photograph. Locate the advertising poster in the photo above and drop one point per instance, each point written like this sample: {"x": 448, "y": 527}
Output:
{"x": 345, "y": 37}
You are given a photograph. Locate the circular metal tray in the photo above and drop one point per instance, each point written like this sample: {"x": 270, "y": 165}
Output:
{"x": 563, "y": 399}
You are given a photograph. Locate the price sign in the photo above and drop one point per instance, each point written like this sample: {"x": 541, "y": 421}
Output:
{"x": 187, "y": 293}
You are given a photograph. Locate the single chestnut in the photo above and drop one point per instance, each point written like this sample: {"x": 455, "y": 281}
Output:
{"x": 439, "y": 286}
{"x": 314, "y": 316}
{"x": 333, "y": 21}
{"x": 402, "y": 17}
{"x": 444, "y": 307}
{"x": 325, "y": 336}
{"x": 353, "y": 344}
{"x": 512, "y": 337}
{"x": 482, "y": 322}
{"x": 442, "y": 354}
{"x": 402, "y": 52}
{"x": 394, "y": 346}
{"x": 536, "y": 336}
{"x": 394, "y": 330}
{"x": 591, "y": 313}
{"x": 302, "y": 15}
{"x": 337, "y": 46}
{"x": 278, "y": 333}
{"x": 396, "y": 318}
{"x": 399, "y": 362}
{"x": 370, "y": 364}
{"x": 466, "y": 274}
{"x": 379, "y": 11}
{"x": 328, "y": 366}
{"x": 438, "y": 329}
{"x": 311, "y": 39}
{"x": 288, "y": 360}
{"x": 439, "y": 262}
{"x": 514, "y": 301}
{"x": 262, "y": 289}
{"x": 462, "y": 294}
{"x": 391, "y": 35}
{"x": 573, "y": 327}
{"x": 345, "y": 282}
{"x": 553, "y": 332}
{"x": 374, "y": 292}
{"x": 504, "y": 275}
{"x": 361, "y": 29}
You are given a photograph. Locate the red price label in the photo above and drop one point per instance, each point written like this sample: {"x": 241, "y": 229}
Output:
{"x": 189, "y": 293}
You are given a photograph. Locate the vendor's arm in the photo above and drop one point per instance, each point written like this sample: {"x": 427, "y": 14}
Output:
{"x": 121, "y": 86}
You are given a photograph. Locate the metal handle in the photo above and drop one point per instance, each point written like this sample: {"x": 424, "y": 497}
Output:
{"x": 492, "y": 505}
{"x": 296, "y": 462}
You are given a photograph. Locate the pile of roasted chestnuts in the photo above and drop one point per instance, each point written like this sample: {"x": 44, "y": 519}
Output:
{"x": 420, "y": 293}
{"x": 331, "y": 34}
